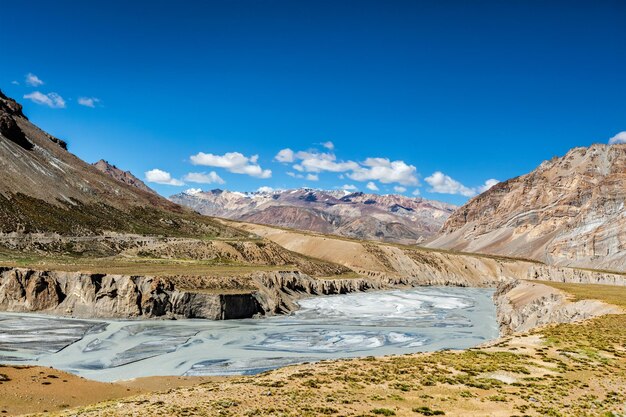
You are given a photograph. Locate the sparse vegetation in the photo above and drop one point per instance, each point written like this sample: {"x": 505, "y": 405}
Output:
{"x": 426, "y": 411}
{"x": 78, "y": 219}
{"x": 383, "y": 412}
{"x": 566, "y": 369}
{"x": 611, "y": 294}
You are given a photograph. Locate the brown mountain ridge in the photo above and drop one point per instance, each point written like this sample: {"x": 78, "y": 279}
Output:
{"x": 46, "y": 189}
{"x": 568, "y": 211}
{"x": 124, "y": 176}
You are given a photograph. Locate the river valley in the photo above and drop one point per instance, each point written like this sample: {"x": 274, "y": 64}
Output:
{"x": 358, "y": 324}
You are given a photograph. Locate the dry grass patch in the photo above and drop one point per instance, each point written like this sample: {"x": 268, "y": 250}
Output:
{"x": 610, "y": 294}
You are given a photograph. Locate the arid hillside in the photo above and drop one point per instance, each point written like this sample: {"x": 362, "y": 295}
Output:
{"x": 568, "y": 211}
{"x": 46, "y": 189}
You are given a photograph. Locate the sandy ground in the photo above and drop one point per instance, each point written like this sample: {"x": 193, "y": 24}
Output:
{"x": 37, "y": 389}
{"x": 34, "y": 389}
{"x": 163, "y": 383}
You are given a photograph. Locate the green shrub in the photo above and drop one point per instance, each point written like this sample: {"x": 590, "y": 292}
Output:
{"x": 427, "y": 411}
{"x": 383, "y": 412}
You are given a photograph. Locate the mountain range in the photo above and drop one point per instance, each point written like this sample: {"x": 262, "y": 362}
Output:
{"x": 569, "y": 211}
{"x": 392, "y": 218}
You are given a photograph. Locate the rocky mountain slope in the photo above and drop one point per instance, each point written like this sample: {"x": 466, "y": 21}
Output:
{"x": 124, "y": 176}
{"x": 46, "y": 189}
{"x": 392, "y": 218}
{"x": 568, "y": 211}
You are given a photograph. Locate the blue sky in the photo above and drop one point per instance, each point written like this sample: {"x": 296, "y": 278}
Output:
{"x": 434, "y": 96}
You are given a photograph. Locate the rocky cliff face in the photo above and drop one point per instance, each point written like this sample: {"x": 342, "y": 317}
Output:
{"x": 522, "y": 306}
{"x": 90, "y": 295}
{"x": 569, "y": 211}
{"x": 114, "y": 296}
{"x": 393, "y": 218}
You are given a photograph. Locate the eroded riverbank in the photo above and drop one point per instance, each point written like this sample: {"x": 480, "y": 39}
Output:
{"x": 482, "y": 378}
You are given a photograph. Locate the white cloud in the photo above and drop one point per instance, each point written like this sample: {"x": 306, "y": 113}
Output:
{"x": 204, "y": 178}
{"x": 444, "y": 184}
{"x": 619, "y": 138}
{"x": 33, "y": 80}
{"x": 265, "y": 189}
{"x": 88, "y": 101}
{"x": 285, "y": 155}
{"x": 372, "y": 169}
{"x": 15, "y": 82}
{"x": 349, "y": 187}
{"x": 371, "y": 186}
{"x": 487, "y": 185}
{"x": 309, "y": 177}
{"x": 399, "y": 189}
{"x": 234, "y": 162}
{"x": 193, "y": 191}
{"x": 162, "y": 177}
{"x": 386, "y": 171}
{"x": 52, "y": 100}
{"x": 319, "y": 162}
{"x": 416, "y": 192}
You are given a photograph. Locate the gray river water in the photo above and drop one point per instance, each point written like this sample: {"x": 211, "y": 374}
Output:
{"x": 360, "y": 324}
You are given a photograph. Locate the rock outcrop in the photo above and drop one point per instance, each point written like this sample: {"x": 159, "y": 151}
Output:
{"x": 114, "y": 296}
{"x": 123, "y": 176}
{"x": 569, "y": 211}
{"x": 89, "y": 295}
{"x": 10, "y": 130}
{"x": 522, "y": 306}
{"x": 392, "y": 218}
